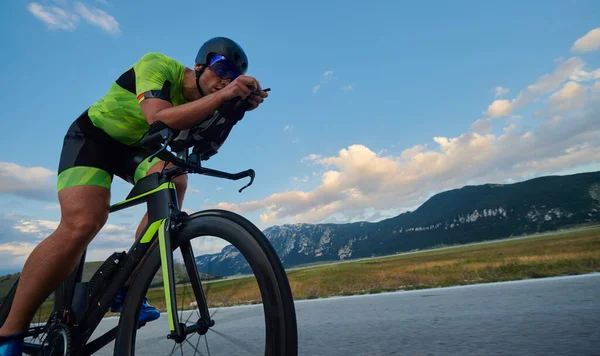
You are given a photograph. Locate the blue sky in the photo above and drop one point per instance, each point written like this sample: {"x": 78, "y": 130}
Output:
{"x": 374, "y": 107}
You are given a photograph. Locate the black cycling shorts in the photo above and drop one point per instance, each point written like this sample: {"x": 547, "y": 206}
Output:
{"x": 91, "y": 157}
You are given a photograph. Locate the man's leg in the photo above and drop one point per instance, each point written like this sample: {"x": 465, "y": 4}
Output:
{"x": 84, "y": 210}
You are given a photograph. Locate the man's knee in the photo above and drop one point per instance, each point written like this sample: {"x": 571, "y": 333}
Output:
{"x": 80, "y": 229}
{"x": 84, "y": 211}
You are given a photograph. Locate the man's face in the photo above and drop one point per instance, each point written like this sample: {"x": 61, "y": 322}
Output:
{"x": 217, "y": 76}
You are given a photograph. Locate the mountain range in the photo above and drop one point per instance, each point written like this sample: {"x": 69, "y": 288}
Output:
{"x": 458, "y": 216}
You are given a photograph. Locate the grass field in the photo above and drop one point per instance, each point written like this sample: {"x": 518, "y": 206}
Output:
{"x": 545, "y": 256}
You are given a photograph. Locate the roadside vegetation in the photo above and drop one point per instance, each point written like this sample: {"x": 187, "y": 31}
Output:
{"x": 570, "y": 253}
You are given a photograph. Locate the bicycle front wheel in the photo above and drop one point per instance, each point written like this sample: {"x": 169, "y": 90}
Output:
{"x": 275, "y": 295}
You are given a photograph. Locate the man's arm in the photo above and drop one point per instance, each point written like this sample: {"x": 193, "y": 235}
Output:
{"x": 154, "y": 76}
{"x": 182, "y": 116}
{"x": 187, "y": 115}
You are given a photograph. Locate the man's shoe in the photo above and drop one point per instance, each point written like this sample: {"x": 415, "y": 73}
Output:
{"x": 147, "y": 313}
{"x": 11, "y": 347}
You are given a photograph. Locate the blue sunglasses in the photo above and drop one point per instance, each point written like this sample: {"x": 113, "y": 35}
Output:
{"x": 221, "y": 67}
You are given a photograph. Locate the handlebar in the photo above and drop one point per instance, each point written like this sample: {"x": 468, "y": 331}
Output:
{"x": 165, "y": 135}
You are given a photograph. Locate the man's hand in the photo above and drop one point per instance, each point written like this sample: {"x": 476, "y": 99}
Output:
{"x": 248, "y": 89}
{"x": 241, "y": 86}
{"x": 256, "y": 98}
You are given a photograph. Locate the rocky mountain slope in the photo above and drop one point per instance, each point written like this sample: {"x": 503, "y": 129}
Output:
{"x": 468, "y": 214}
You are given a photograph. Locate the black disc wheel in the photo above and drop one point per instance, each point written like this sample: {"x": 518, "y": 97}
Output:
{"x": 252, "y": 312}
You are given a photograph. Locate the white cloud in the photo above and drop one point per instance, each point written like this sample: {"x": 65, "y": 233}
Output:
{"x": 584, "y": 76}
{"x": 311, "y": 157}
{"x": 325, "y": 77}
{"x": 40, "y": 228}
{"x": 544, "y": 85}
{"x": 99, "y": 18}
{"x": 500, "y": 108}
{"x": 54, "y": 17}
{"x": 588, "y": 43}
{"x": 208, "y": 245}
{"x": 16, "y": 253}
{"x": 287, "y": 128}
{"x": 501, "y": 91}
{"x": 17, "y": 248}
{"x": 570, "y": 97}
{"x": 63, "y": 18}
{"x": 357, "y": 178}
{"x": 482, "y": 126}
{"x": 304, "y": 180}
{"x": 29, "y": 182}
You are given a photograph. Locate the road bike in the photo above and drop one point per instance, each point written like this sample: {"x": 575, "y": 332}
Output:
{"x": 79, "y": 307}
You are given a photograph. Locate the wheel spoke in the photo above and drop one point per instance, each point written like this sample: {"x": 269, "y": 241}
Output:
{"x": 174, "y": 346}
{"x": 198, "y": 342}
{"x": 195, "y": 348}
{"x": 207, "y": 349}
{"x": 248, "y": 243}
{"x": 191, "y": 313}
{"x": 237, "y": 342}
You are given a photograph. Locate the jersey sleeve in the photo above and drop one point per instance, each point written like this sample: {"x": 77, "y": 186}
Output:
{"x": 153, "y": 77}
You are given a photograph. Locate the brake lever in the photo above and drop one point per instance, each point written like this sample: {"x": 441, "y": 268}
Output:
{"x": 167, "y": 141}
{"x": 251, "y": 174}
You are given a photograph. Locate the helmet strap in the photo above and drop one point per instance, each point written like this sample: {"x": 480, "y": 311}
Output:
{"x": 198, "y": 74}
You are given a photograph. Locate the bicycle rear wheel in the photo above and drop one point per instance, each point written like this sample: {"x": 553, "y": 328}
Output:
{"x": 276, "y": 297}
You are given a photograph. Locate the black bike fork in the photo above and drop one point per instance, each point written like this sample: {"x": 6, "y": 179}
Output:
{"x": 168, "y": 232}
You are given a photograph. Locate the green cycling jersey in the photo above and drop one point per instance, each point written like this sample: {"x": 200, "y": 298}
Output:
{"x": 118, "y": 112}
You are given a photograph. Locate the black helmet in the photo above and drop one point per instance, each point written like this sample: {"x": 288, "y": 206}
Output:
{"x": 225, "y": 47}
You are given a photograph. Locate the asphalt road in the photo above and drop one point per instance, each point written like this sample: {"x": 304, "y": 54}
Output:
{"x": 552, "y": 316}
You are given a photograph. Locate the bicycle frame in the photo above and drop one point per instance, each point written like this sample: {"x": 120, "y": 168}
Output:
{"x": 84, "y": 315}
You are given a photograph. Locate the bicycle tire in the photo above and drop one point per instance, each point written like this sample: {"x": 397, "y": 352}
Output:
{"x": 278, "y": 303}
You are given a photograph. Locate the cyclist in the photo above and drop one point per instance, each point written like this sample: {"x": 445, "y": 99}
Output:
{"x": 101, "y": 143}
